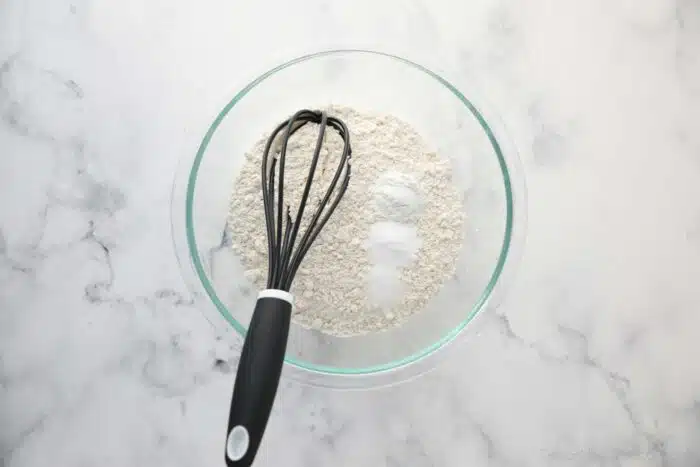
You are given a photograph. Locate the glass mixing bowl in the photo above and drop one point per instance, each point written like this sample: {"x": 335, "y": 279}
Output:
{"x": 485, "y": 166}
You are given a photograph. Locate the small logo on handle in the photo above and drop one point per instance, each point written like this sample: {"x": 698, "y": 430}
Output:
{"x": 237, "y": 443}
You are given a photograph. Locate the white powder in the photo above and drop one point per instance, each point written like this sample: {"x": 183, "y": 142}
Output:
{"x": 391, "y": 243}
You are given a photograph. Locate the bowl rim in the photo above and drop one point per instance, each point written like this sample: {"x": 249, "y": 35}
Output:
{"x": 197, "y": 264}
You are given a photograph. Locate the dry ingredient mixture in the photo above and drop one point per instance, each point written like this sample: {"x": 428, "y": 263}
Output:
{"x": 390, "y": 245}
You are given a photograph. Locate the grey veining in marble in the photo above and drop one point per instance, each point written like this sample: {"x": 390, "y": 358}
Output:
{"x": 591, "y": 360}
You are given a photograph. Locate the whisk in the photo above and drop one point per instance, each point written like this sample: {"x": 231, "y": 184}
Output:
{"x": 260, "y": 365}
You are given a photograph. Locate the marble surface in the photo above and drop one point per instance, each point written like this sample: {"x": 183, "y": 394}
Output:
{"x": 591, "y": 359}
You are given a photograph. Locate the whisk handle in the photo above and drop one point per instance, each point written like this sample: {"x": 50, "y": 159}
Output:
{"x": 258, "y": 376}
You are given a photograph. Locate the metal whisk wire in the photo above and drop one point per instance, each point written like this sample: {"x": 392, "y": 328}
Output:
{"x": 284, "y": 255}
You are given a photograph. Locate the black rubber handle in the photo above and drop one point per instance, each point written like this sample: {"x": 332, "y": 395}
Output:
{"x": 257, "y": 379}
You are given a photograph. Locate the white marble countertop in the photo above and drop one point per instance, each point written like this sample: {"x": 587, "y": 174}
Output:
{"x": 591, "y": 360}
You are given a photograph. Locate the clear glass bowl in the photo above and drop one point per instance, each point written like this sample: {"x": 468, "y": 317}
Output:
{"x": 485, "y": 165}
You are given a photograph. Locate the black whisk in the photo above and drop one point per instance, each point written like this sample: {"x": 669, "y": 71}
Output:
{"x": 260, "y": 365}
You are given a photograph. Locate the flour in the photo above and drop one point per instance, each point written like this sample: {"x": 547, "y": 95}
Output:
{"x": 392, "y": 242}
